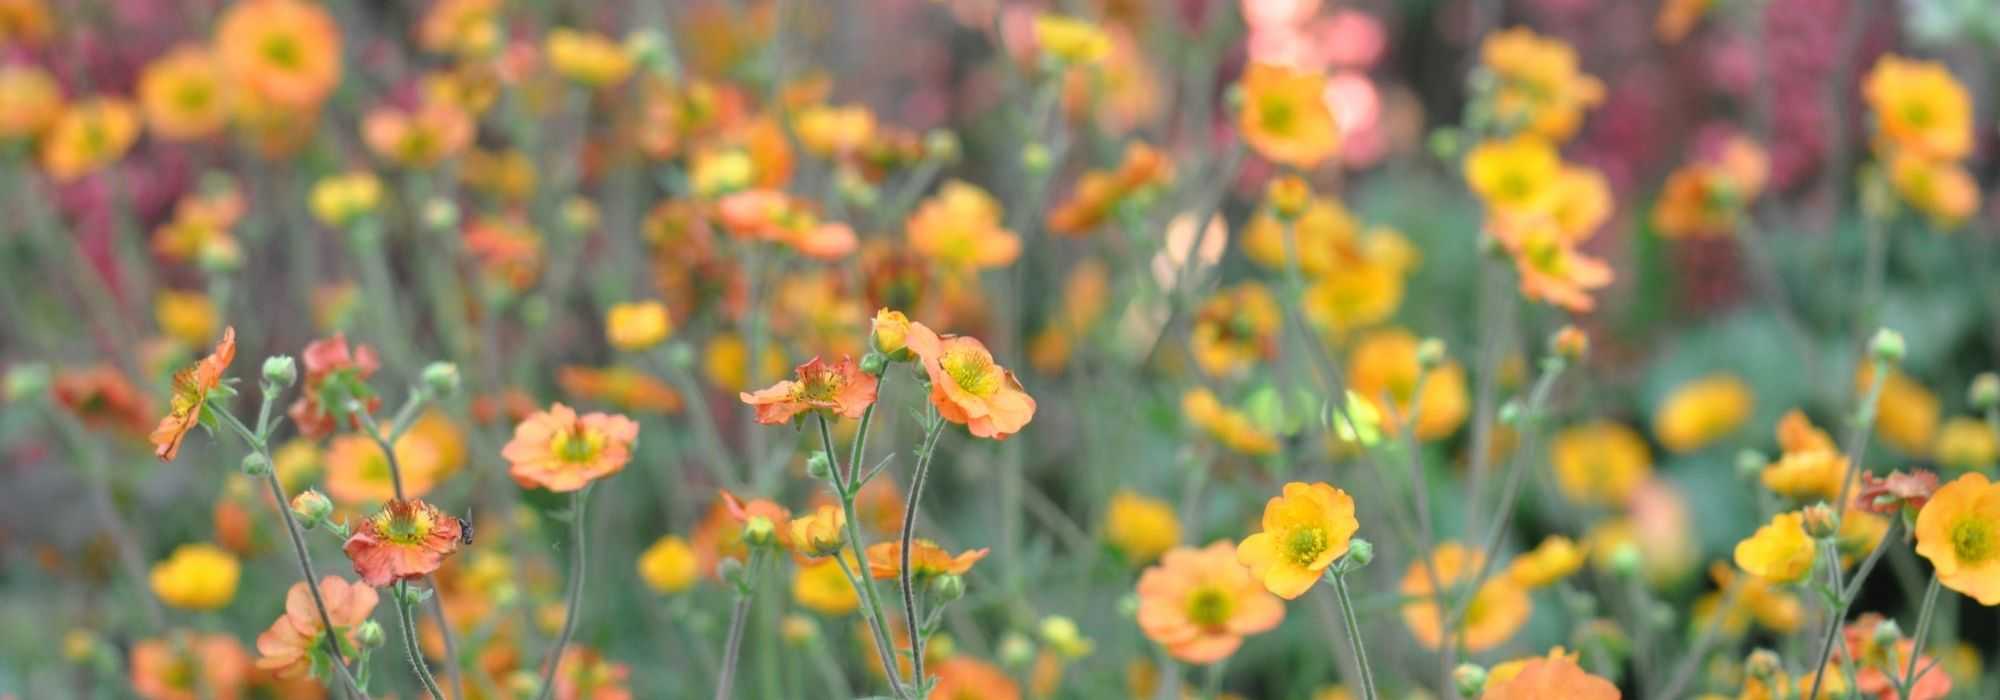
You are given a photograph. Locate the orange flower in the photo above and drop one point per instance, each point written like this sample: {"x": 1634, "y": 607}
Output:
{"x": 1919, "y": 107}
{"x": 465, "y": 27}
{"x": 1285, "y": 116}
{"x": 420, "y": 138}
{"x": 358, "y": 472}
{"x": 841, "y": 389}
{"x": 287, "y": 52}
{"x": 743, "y": 513}
{"x": 1705, "y": 198}
{"x": 183, "y": 94}
{"x": 335, "y": 374}
{"x": 1539, "y": 85}
{"x": 927, "y": 560}
{"x": 624, "y": 388}
{"x": 962, "y": 678}
{"x": 1305, "y": 530}
{"x": 1236, "y": 329}
{"x": 561, "y": 451}
{"x": 1810, "y": 467}
{"x": 968, "y": 387}
{"x": 1228, "y": 426}
{"x": 1201, "y": 603}
{"x": 88, "y": 136}
{"x": 1551, "y": 268}
{"x": 1959, "y": 532}
{"x": 960, "y": 227}
{"x": 1496, "y": 611}
{"x": 103, "y": 399}
{"x": 1098, "y": 193}
{"x": 288, "y": 647}
{"x": 1383, "y": 366}
{"x": 1556, "y": 676}
{"x": 191, "y": 387}
{"x": 30, "y": 101}
{"x": 819, "y": 533}
{"x": 1871, "y": 660}
{"x": 586, "y": 675}
{"x": 190, "y": 666}
{"x": 405, "y": 541}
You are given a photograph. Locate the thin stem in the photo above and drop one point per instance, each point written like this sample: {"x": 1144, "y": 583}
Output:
{"x": 416, "y": 655}
{"x": 404, "y": 418}
{"x": 1510, "y": 490}
{"x": 1353, "y": 623}
{"x": 1924, "y": 618}
{"x": 872, "y": 606}
{"x": 578, "y": 560}
{"x": 1685, "y": 669}
{"x": 1857, "y": 437}
{"x": 905, "y": 578}
{"x": 312, "y": 582}
{"x": 732, "y": 648}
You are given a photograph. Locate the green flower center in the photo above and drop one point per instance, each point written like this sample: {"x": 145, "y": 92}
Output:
{"x": 1304, "y": 545}
{"x": 577, "y": 447}
{"x": 1972, "y": 540}
{"x": 1209, "y": 606}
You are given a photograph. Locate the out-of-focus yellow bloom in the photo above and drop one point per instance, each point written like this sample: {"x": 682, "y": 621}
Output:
{"x": 1540, "y": 87}
{"x": 196, "y": 577}
{"x": 1780, "y": 551}
{"x": 1285, "y": 117}
{"x": 26, "y": 22}
{"x": 1772, "y": 607}
{"x": 588, "y": 57}
{"x": 1063, "y": 637}
{"x": 1496, "y": 612}
{"x": 1070, "y": 40}
{"x": 1702, "y": 411}
{"x": 1341, "y": 302}
{"x": 715, "y": 172}
{"x": 960, "y": 227}
{"x": 420, "y": 138}
{"x": 183, "y": 94}
{"x": 1553, "y": 560}
{"x": 1227, "y": 426}
{"x": 1907, "y": 416}
{"x": 1580, "y": 202}
{"x": 1940, "y": 189}
{"x": 1811, "y": 466}
{"x": 1859, "y": 532}
{"x": 340, "y": 200}
{"x": 1141, "y": 527}
{"x": 30, "y": 101}
{"x": 1514, "y": 176}
{"x": 828, "y": 131}
{"x": 669, "y": 565}
{"x": 464, "y": 27}
{"x": 1327, "y": 240}
{"x": 726, "y": 363}
{"x": 1600, "y": 463}
{"x": 818, "y": 533}
{"x": 1304, "y": 530}
{"x": 1235, "y": 330}
{"x": 1383, "y": 364}
{"x": 188, "y": 317}
{"x": 1919, "y": 107}
{"x": 1959, "y": 532}
{"x": 1966, "y": 443}
{"x": 638, "y": 325}
{"x": 88, "y": 136}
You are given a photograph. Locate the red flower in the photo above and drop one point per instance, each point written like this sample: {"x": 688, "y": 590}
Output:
{"x": 331, "y": 360}
{"x": 840, "y": 388}
{"x": 102, "y": 398}
{"x": 1899, "y": 490}
{"x": 406, "y": 541}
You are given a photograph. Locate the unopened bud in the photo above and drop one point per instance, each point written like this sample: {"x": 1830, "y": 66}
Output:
{"x": 441, "y": 378}
{"x": 1984, "y": 394}
{"x": 312, "y": 507}
{"x": 1888, "y": 633}
{"x": 1626, "y": 559}
{"x": 818, "y": 466}
{"x": 256, "y": 464}
{"x": 1570, "y": 343}
{"x": 281, "y": 370}
{"x": 1288, "y": 196}
{"x": 1430, "y": 354}
{"x": 1750, "y": 463}
{"x": 1819, "y": 520}
{"x": 1470, "y": 679}
{"x": 1887, "y": 346}
{"x": 1035, "y": 158}
{"x": 440, "y": 214}
{"x": 941, "y": 145}
{"x": 1016, "y": 650}
{"x": 948, "y": 588}
{"x": 875, "y": 363}
{"x": 760, "y": 531}
{"x": 369, "y": 635}
{"x": 1763, "y": 664}
{"x": 1359, "y": 553}
{"x": 26, "y": 380}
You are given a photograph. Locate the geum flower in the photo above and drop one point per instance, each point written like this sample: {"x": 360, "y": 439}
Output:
{"x": 927, "y": 560}
{"x": 968, "y": 387}
{"x": 1959, "y": 532}
{"x": 296, "y": 643}
{"x": 562, "y": 452}
{"x": 1200, "y": 603}
{"x": 405, "y": 541}
{"x": 840, "y": 388}
{"x": 192, "y": 386}
{"x": 336, "y": 374}
{"x": 1305, "y": 530}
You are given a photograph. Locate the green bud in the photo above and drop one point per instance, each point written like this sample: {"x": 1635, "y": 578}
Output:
{"x": 941, "y": 145}
{"x": 875, "y": 363}
{"x": 281, "y": 371}
{"x": 1430, "y": 353}
{"x": 1036, "y": 158}
{"x": 1984, "y": 395}
{"x": 26, "y": 380}
{"x": 1626, "y": 559}
{"x": 441, "y": 378}
{"x": 1359, "y": 553}
{"x": 818, "y": 466}
{"x": 1887, "y": 346}
{"x": 440, "y": 214}
{"x": 256, "y": 464}
{"x": 369, "y": 635}
{"x": 760, "y": 531}
{"x": 1016, "y": 650}
{"x": 1888, "y": 633}
{"x": 1750, "y": 463}
{"x": 1470, "y": 679}
{"x": 948, "y": 588}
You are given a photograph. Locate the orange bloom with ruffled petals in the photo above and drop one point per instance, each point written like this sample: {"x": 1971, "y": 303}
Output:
{"x": 88, "y": 136}
{"x": 418, "y": 138}
{"x": 287, "y": 52}
{"x": 103, "y": 399}
{"x": 561, "y": 451}
{"x": 1556, "y": 676}
{"x": 1959, "y": 532}
{"x": 840, "y": 388}
{"x": 191, "y": 387}
{"x": 962, "y": 678}
{"x": 406, "y": 541}
{"x": 190, "y": 667}
{"x": 1285, "y": 117}
{"x": 1200, "y": 603}
{"x": 968, "y": 387}
{"x": 960, "y": 227}
{"x": 1305, "y": 530}
{"x": 927, "y": 560}
{"x": 286, "y": 649}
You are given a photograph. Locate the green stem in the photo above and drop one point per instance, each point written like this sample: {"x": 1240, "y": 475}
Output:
{"x": 905, "y": 577}
{"x": 423, "y": 671}
{"x": 1924, "y": 618}
{"x": 872, "y": 606}
{"x": 578, "y": 560}
{"x": 732, "y": 648}
{"x": 1353, "y": 623}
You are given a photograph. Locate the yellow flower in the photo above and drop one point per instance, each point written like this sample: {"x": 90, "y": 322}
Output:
{"x": 1384, "y": 364}
{"x": 819, "y": 533}
{"x": 1305, "y": 530}
{"x": 823, "y": 588}
{"x": 1701, "y": 411}
{"x": 89, "y": 135}
{"x": 960, "y": 227}
{"x": 1959, "y": 532}
{"x": 1142, "y": 528}
{"x": 588, "y": 57}
{"x": 637, "y": 325}
{"x": 1780, "y": 552}
{"x": 1919, "y": 107}
{"x": 340, "y": 200}
{"x": 30, "y": 101}
{"x": 1772, "y": 607}
{"x": 1811, "y": 466}
{"x": 188, "y": 317}
{"x": 1228, "y": 426}
{"x": 196, "y": 577}
{"x": 1235, "y": 330}
{"x": 183, "y": 94}
{"x": 1069, "y": 40}
{"x": 670, "y": 565}
{"x": 1540, "y": 87}
{"x": 834, "y": 131}
{"x": 1907, "y": 416}
{"x": 726, "y": 363}
{"x": 1554, "y": 559}
{"x": 1496, "y": 611}
{"x": 1966, "y": 443}
{"x": 1515, "y": 176}
{"x": 1600, "y": 463}
{"x": 1941, "y": 189}
{"x": 1579, "y": 202}
{"x": 1285, "y": 117}
{"x": 1343, "y": 301}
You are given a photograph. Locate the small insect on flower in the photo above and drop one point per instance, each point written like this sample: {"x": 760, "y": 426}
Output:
{"x": 465, "y": 528}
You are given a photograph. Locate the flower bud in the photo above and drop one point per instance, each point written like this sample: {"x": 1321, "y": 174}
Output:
{"x": 1062, "y": 636}
{"x": 948, "y": 588}
{"x": 441, "y": 378}
{"x": 579, "y": 215}
{"x": 875, "y": 363}
{"x": 891, "y": 334}
{"x": 798, "y": 629}
{"x": 1358, "y": 422}
{"x": 256, "y": 464}
{"x": 1035, "y": 157}
{"x": 281, "y": 370}
{"x": 369, "y": 635}
{"x": 80, "y": 645}
{"x": 1819, "y": 520}
{"x": 760, "y": 531}
{"x": 648, "y": 47}
{"x": 1288, "y": 197}
{"x": 1985, "y": 392}
{"x": 1359, "y": 553}
{"x": 731, "y": 572}
{"x": 941, "y": 145}
{"x": 1430, "y": 354}
{"x": 1887, "y": 346}
{"x": 27, "y": 379}
{"x": 818, "y": 466}
{"x": 524, "y": 684}
{"x": 1470, "y": 679}
{"x": 1888, "y": 633}
{"x": 1570, "y": 343}
{"x": 440, "y": 214}
{"x": 1750, "y": 463}
{"x": 1626, "y": 559}
{"x": 1016, "y": 650}
{"x": 1763, "y": 664}
{"x": 311, "y": 507}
